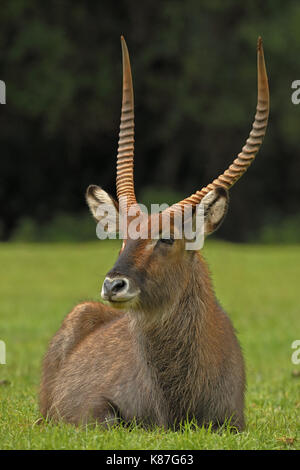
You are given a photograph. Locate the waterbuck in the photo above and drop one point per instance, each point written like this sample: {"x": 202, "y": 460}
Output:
{"x": 163, "y": 351}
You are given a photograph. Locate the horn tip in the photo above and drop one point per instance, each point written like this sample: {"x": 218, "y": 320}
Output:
{"x": 259, "y": 44}
{"x": 124, "y": 45}
{"x": 123, "y": 42}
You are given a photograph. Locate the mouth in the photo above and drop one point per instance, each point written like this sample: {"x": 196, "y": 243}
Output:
{"x": 120, "y": 302}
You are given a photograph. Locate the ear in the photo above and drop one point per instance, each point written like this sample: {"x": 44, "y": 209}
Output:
{"x": 103, "y": 207}
{"x": 215, "y": 208}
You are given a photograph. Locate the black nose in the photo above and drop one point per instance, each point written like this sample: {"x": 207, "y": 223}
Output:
{"x": 112, "y": 287}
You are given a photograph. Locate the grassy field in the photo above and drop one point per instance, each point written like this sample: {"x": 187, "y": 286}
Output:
{"x": 257, "y": 285}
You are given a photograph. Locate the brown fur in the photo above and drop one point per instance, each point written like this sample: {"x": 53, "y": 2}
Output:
{"x": 171, "y": 355}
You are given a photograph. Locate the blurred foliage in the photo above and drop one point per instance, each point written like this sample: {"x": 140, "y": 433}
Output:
{"x": 194, "y": 68}
{"x": 62, "y": 228}
{"x": 159, "y": 196}
{"x": 280, "y": 231}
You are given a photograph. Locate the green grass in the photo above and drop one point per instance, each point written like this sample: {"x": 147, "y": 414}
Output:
{"x": 257, "y": 285}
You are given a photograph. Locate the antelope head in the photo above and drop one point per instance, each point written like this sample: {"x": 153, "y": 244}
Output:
{"x": 152, "y": 271}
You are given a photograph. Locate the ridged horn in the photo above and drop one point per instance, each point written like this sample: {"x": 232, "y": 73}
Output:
{"x": 125, "y": 182}
{"x": 253, "y": 143}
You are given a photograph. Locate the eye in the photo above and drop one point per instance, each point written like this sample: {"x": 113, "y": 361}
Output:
{"x": 167, "y": 241}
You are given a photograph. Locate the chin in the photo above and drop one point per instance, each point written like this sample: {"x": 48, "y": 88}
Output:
{"x": 126, "y": 305}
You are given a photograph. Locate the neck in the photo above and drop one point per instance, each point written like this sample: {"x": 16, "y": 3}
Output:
{"x": 170, "y": 343}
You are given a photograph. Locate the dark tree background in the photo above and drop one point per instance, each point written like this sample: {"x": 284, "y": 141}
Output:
{"x": 194, "y": 69}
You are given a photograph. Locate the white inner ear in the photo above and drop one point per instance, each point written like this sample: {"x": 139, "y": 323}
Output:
{"x": 217, "y": 211}
{"x": 102, "y": 196}
{"x": 103, "y": 209}
{"x": 215, "y": 205}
